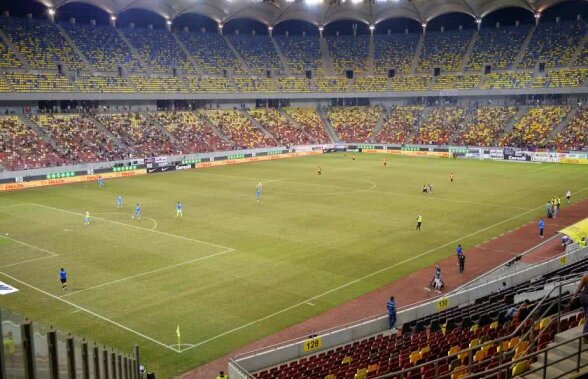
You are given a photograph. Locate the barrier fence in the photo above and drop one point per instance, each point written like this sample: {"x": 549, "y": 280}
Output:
{"x": 34, "y": 350}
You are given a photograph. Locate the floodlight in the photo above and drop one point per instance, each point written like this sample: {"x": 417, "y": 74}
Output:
{"x": 51, "y": 11}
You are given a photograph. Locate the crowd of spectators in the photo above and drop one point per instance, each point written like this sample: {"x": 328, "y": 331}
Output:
{"x": 370, "y": 84}
{"x": 285, "y": 132}
{"x": 78, "y": 139}
{"x": 507, "y": 80}
{"x": 192, "y": 134}
{"x": 575, "y": 135}
{"x": 21, "y": 148}
{"x": 158, "y": 83}
{"x": 561, "y": 78}
{"x": 354, "y": 124}
{"x": 467, "y": 81}
{"x": 256, "y": 85}
{"x": 236, "y": 126}
{"x": 400, "y": 123}
{"x": 486, "y": 126}
{"x": 310, "y": 122}
{"x": 410, "y": 83}
{"x": 535, "y": 127}
{"x": 300, "y": 85}
{"x": 141, "y": 138}
{"x": 7, "y": 58}
{"x": 332, "y": 84}
{"x": 554, "y": 43}
{"x": 39, "y": 82}
{"x": 441, "y": 124}
{"x": 103, "y": 84}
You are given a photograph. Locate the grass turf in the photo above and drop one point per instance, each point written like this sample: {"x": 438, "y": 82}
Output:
{"x": 234, "y": 270}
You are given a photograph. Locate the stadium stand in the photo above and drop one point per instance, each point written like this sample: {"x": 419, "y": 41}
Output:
{"x": 158, "y": 84}
{"x": 193, "y": 135}
{"x": 103, "y": 47}
{"x": 486, "y": 126}
{"x": 507, "y": 80}
{"x": 7, "y": 58}
{"x": 256, "y": 85}
{"x": 212, "y": 84}
{"x": 535, "y": 127}
{"x": 562, "y": 78}
{"x": 140, "y": 137}
{"x": 370, "y": 84}
{"x": 280, "y": 127}
{"x": 49, "y": 82}
{"x": 159, "y": 50}
{"x": 4, "y": 87}
{"x": 332, "y": 85}
{"x": 21, "y": 148}
{"x": 103, "y": 84}
{"x": 495, "y": 47}
{"x": 78, "y": 139}
{"x": 410, "y": 83}
{"x": 434, "y": 343}
{"x": 444, "y": 50}
{"x": 394, "y": 52}
{"x": 468, "y": 81}
{"x": 400, "y": 123}
{"x": 237, "y": 127}
{"x": 554, "y": 44}
{"x": 575, "y": 135}
{"x": 310, "y": 122}
{"x": 354, "y": 124}
{"x": 211, "y": 53}
{"x": 299, "y": 85}
{"x": 40, "y": 43}
{"x": 258, "y": 52}
{"x": 349, "y": 53}
{"x": 441, "y": 124}
{"x": 301, "y": 54}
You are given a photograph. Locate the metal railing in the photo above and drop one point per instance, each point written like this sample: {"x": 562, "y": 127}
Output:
{"x": 520, "y": 331}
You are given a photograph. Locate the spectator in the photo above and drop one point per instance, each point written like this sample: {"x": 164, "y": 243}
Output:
{"x": 391, "y": 306}
{"x": 221, "y": 375}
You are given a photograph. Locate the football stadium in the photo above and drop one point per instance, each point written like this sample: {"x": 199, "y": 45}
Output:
{"x": 293, "y": 189}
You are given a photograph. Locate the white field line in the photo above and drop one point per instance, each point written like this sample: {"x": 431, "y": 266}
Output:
{"x": 29, "y": 245}
{"x": 372, "y": 189}
{"x": 154, "y": 221}
{"x": 80, "y": 308}
{"x": 28, "y": 261}
{"x": 311, "y": 299}
{"x": 149, "y": 272}
{"x": 138, "y": 227}
{"x": 13, "y": 206}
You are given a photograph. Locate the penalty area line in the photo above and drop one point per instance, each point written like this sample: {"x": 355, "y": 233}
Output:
{"x": 148, "y": 273}
{"x": 82, "y": 309}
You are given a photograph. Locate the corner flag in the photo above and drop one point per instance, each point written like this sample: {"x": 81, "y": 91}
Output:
{"x": 178, "y": 334}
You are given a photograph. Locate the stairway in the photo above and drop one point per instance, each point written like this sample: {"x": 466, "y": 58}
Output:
{"x": 296, "y": 125}
{"x": 202, "y": 117}
{"x": 578, "y": 51}
{"x": 567, "y": 352}
{"x": 187, "y": 53}
{"x": 370, "y": 64}
{"x": 417, "y": 54}
{"x": 417, "y": 127}
{"x": 379, "y": 125}
{"x": 524, "y": 47}
{"x": 133, "y": 51}
{"x": 158, "y": 125}
{"x": 564, "y": 122}
{"x": 283, "y": 60}
{"x": 260, "y": 127}
{"x": 468, "y": 53}
{"x": 237, "y": 55}
{"x": 76, "y": 49}
{"x": 39, "y": 131}
{"x": 513, "y": 121}
{"x": 14, "y": 50}
{"x": 103, "y": 129}
{"x": 326, "y": 58}
{"x": 469, "y": 115}
{"x": 328, "y": 127}
{"x": 5, "y": 79}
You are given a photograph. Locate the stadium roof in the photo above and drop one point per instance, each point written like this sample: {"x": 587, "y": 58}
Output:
{"x": 322, "y": 12}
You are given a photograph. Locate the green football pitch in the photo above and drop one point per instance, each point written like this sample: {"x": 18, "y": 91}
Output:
{"x": 234, "y": 270}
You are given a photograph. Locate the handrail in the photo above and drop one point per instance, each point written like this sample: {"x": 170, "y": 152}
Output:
{"x": 492, "y": 371}
{"x": 402, "y": 373}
